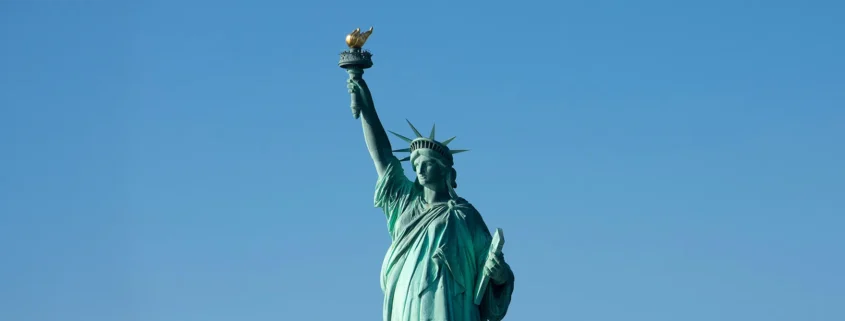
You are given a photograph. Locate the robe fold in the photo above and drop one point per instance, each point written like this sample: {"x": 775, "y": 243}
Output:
{"x": 431, "y": 270}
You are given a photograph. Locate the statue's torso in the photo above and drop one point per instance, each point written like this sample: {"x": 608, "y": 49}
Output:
{"x": 432, "y": 259}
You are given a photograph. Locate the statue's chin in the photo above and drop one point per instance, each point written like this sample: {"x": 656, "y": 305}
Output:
{"x": 432, "y": 186}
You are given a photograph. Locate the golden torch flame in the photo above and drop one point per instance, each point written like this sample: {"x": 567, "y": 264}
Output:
{"x": 356, "y": 39}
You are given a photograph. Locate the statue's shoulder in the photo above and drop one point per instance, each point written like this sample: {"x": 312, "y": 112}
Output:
{"x": 471, "y": 214}
{"x": 465, "y": 205}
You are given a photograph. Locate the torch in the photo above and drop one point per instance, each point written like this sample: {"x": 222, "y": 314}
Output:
{"x": 355, "y": 60}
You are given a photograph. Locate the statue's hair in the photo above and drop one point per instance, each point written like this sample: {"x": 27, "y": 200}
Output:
{"x": 452, "y": 174}
{"x": 451, "y": 178}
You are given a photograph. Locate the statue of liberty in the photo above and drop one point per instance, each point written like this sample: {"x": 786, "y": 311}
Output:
{"x": 443, "y": 264}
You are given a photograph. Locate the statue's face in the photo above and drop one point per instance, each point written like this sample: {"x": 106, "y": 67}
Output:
{"x": 431, "y": 173}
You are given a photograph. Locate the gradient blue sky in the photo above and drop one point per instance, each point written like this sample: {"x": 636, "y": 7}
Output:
{"x": 197, "y": 160}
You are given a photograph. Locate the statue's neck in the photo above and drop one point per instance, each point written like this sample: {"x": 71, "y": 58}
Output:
{"x": 431, "y": 196}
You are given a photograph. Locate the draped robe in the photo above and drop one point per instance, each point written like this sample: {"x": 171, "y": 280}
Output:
{"x": 431, "y": 270}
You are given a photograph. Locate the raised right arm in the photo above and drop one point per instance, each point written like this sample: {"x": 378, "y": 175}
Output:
{"x": 374, "y": 134}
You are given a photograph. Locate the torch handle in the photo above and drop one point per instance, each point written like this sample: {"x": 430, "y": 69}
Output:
{"x": 355, "y": 74}
{"x": 356, "y": 108}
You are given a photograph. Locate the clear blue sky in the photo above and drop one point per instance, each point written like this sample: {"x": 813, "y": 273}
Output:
{"x": 648, "y": 160}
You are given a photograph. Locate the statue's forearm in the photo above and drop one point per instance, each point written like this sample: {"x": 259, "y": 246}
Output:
{"x": 374, "y": 134}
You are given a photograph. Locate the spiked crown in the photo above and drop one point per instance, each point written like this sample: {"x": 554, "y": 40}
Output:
{"x": 429, "y": 142}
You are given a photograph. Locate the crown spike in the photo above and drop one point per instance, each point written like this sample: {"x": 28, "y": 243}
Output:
{"x": 431, "y": 136}
{"x": 405, "y": 159}
{"x": 417, "y": 132}
{"x": 456, "y": 151}
{"x": 406, "y": 139}
{"x": 446, "y": 142}
{"x": 403, "y": 150}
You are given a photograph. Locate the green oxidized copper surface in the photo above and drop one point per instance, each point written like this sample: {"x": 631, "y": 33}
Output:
{"x": 356, "y": 58}
{"x": 443, "y": 263}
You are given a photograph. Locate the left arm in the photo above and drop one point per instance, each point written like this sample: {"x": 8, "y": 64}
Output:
{"x": 499, "y": 270}
{"x": 497, "y": 296}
